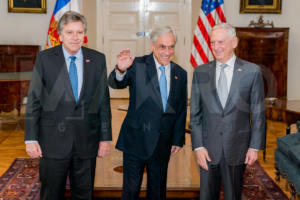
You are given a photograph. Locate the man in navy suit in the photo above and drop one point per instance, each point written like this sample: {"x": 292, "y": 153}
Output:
{"x": 68, "y": 118}
{"x": 154, "y": 126}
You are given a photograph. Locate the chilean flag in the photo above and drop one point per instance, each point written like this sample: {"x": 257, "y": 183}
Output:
{"x": 61, "y": 7}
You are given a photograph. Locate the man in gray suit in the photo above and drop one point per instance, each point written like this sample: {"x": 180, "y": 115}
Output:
{"x": 227, "y": 117}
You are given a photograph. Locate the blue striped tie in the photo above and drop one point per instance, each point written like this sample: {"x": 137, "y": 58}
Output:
{"x": 73, "y": 77}
{"x": 163, "y": 87}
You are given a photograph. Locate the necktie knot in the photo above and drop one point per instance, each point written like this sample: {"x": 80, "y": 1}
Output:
{"x": 223, "y": 66}
{"x": 73, "y": 58}
{"x": 162, "y": 69}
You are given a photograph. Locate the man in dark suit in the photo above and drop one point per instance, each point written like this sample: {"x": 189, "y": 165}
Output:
{"x": 227, "y": 117}
{"x": 68, "y": 118}
{"x": 154, "y": 126}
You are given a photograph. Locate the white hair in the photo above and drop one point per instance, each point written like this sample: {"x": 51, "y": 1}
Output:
{"x": 229, "y": 28}
{"x": 162, "y": 31}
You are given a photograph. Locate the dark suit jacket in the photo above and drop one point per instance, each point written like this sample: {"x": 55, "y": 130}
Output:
{"x": 52, "y": 115}
{"x": 229, "y": 129}
{"x": 146, "y": 120}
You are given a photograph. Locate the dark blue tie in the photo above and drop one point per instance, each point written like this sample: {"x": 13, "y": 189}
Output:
{"x": 163, "y": 87}
{"x": 73, "y": 77}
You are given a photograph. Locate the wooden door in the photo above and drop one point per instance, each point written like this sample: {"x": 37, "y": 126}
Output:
{"x": 128, "y": 23}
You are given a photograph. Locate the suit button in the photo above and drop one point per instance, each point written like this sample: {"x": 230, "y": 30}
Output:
{"x": 221, "y": 133}
{"x": 222, "y": 115}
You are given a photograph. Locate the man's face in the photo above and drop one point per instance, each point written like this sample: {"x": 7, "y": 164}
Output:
{"x": 222, "y": 45}
{"x": 72, "y": 36}
{"x": 163, "y": 49}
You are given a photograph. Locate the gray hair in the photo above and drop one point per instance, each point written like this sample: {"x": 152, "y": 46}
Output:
{"x": 230, "y": 29}
{"x": 71, "y": 16}
{"x": 162, "y": 31}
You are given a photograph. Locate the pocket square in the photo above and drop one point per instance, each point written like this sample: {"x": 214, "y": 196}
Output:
{"x": 239, "y": 70}
{"x": 176, "y": 77}
{"x": 87, "y": 60}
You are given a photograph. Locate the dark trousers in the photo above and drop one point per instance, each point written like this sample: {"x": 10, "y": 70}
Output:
{"x": 231, "y": 177}
{"x": 157, "y": 169}
{"x": 54, "y": 172}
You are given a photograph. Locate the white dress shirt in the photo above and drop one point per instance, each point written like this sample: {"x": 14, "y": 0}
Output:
{"x": 79, "y": 66}
{"x": 167, "y": 73}
{"x": 228, "y": 71}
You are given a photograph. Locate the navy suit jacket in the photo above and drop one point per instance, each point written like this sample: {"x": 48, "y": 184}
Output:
{"x": 146, "y": 120}
{"x": 54, "y": 119}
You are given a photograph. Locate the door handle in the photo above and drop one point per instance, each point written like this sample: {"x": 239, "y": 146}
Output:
{"x": 140, "y": 34}
{"x": 143, "y": 34}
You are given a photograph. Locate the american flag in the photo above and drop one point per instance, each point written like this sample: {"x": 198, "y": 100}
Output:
{"x": 211, "y": 13}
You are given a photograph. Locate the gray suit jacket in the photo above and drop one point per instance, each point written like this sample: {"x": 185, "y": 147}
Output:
{"x": 237, "y": 127}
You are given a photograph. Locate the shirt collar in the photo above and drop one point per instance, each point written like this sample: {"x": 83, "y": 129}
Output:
{"x": 157, "y": 65}
{"x": 229, "y": 62}
{"x": 78, "y": 55}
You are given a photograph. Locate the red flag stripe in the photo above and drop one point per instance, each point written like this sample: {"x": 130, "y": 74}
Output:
{"x": 204, "y": 32}
{"x": 203, "y": 43}
{"x": 193, "y": 61}
{"x": 221, "y": 14}
{"x": 200, "y": 50}
{"x": 210, "y": 19}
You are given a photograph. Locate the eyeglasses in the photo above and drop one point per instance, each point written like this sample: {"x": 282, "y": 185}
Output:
{"x": 163, "y": 47}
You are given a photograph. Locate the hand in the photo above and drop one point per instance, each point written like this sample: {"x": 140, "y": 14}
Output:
{"x": 104, "y": 149}
{"x": 175, "y": 149}
{"x": 124, "y": 60}
{"x": 202, "y": 158}
{"x": 34, "y": 150}
{"x": 251, "y": 156}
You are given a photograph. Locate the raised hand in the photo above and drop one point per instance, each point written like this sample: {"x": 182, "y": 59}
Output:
{"x": 124, "y": 60}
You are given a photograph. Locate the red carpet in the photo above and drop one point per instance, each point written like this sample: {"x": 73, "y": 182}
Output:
{"x": 21, "y": 182}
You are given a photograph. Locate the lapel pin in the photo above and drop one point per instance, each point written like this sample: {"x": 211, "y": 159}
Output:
{"x": 239, "y": 70}
{"x": 87, "y": 60}
{"x": 176, "y": 77}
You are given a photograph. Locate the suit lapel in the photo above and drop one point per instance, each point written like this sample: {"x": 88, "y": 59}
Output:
{"x": 61, "y": 63}
{"x": 152, "y": 77}
{"x": 212, "y": 74}
{"x": 234, "y": 83}
{"x": 87, "y": 70}
{"x": 174, "y": 76}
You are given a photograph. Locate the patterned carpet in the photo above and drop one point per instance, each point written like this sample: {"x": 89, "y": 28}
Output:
{"x": 21, "y": 182}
